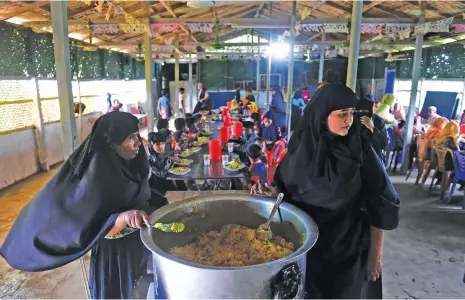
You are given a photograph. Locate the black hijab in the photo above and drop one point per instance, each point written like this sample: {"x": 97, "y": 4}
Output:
{"x": 80, "y": 203}
{"x": 314, "y": 152}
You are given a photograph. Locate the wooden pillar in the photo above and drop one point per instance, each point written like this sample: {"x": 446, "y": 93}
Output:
{"x": 354, "y": 47}
{"x": 191, "y": 84}
{"x": 290, "y": 73}
{"x": 63, "y": 72}
{"x": 148, "y": 80}
{"x": 81, "y": 125}
{"x": 39, "y": 126}
{"x": 176, "y": 81}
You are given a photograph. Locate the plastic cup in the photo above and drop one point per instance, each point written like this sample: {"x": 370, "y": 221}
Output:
{"x": 225, "y": 159}
{"x": 230, "y": 147}
{"x": 206, "y": 159}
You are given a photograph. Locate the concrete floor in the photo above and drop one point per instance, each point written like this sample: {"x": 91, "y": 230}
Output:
{"x": 423, "y": 258}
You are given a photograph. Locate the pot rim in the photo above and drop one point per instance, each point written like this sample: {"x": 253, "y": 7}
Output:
{"x": 309, "y": 242}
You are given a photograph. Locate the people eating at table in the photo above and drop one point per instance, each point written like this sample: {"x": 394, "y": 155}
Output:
{"x": 269, "y": 131}
{"x": 258, "y": 170}
{"x": 261, "y": 142}
{"x": 160, "y": 162}
{"x": 249, "y": 136}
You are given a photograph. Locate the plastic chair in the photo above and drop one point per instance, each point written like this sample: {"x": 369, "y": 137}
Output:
{"x": 421, "y": 159}
{"x": 459, "y": 166}
{"x": 278, "y": 147}
{"x": 393, "y": 149}
{"x": 274, "y": 166}
{"x": 441, "y": 153}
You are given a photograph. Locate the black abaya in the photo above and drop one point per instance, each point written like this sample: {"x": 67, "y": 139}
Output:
{"x": 79, "y": 205}
{"x": 325, "y": 175}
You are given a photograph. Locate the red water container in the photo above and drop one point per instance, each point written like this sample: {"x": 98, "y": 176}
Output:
{"x": 227, "y": 121}
{"x": 228, "y": 104}
{"x": 214, "y": 148}
{"x": 225, "y": 111}
{"x": 237, "y": 132}
{"x": 224, "y": 134}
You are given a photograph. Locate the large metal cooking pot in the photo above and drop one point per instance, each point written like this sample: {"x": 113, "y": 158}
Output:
{"x": 180, "y": 279}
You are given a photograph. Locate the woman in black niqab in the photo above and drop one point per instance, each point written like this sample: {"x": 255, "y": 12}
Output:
{"x": 323, "y": 174}
{"x": 94, "y": 189}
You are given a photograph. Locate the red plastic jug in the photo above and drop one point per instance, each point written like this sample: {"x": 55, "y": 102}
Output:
{"x": 224, "y": 134}
{"x": 214, "y": 148}
{"x": 228, "y": 104}
{"x": 227, "y": 121}
{"x": 237, "y": 132}
{"x": 225, "y": 111}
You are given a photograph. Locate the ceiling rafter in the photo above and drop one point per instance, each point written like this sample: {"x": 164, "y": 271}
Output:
{"x": 25, "y": 8}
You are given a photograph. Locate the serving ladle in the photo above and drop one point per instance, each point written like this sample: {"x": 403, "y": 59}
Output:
{"x": 264, "y": 231}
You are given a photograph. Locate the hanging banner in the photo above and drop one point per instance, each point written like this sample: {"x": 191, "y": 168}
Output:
{"x": 459, "y": 28}
{"x": 371, "y": 28}
{"x": 105, "y": 29}
{"x": 201, "y": 27}
{"x": 132, "y": 28}
{"x": 311, "y": 27}
{"x": 189, "y": 46}
{"x": 165, "y": 27}
{"x": 438, "y": 26}
{"x": 165, "y": 49}
{"x": 335, "y": 28}
{"x": 394, "y": 28}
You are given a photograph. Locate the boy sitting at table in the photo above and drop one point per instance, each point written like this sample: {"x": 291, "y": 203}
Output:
{"x": 258, "y": 170}
{"x": 261, "y": 142}
{"x": 180, "y": 125}
{"x": 160, "y": 162}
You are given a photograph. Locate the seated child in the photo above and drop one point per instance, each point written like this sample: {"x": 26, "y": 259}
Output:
{"x": 162, "y": 124}
{"x": 234, "y": 105}
{"x": 180, "y": 125}
{"x": 160, "y": 162}
{"x": 268, "y": 130}
{"x": 261, "y": 142}
{"x": 246, "y": 115}
{"x": 191, "y": 126}
{"x": 257, "y": 120}
{"x": 169, "y": 141}
{"x": 248, "y": 134}
{"x": 257, "y": 169}
{"x": 181, "y": 139}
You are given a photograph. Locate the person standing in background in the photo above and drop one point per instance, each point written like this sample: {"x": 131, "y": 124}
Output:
{"x": 278, "y": 107}
{"x": 204, "y": 98}
{"x": 108, "y": 102}
{"x": 164, "y": 106}
{"x": 182, "y": 109}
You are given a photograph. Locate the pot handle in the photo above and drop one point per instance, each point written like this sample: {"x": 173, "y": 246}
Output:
{"x": 288, "y": 282}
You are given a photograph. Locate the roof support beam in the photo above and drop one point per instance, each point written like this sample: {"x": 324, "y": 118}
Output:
{"x": 168, "y": 8}
{"x": 262, "y": 22}
{"x": 23, "y": 9}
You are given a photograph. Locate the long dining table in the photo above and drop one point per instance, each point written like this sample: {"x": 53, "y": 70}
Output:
{"x": 214, "y": 172}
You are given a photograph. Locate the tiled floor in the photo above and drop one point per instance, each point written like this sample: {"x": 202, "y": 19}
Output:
{"x": 423, "y": 258}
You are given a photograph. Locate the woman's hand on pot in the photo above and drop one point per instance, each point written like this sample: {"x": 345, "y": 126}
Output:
{"x": 368, "y": 122}
{"x": 374, "y": 269}
{"x": 135, "y": 218}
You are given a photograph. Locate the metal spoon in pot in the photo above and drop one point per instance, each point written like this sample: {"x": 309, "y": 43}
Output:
{"x": 264, "y": 232}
